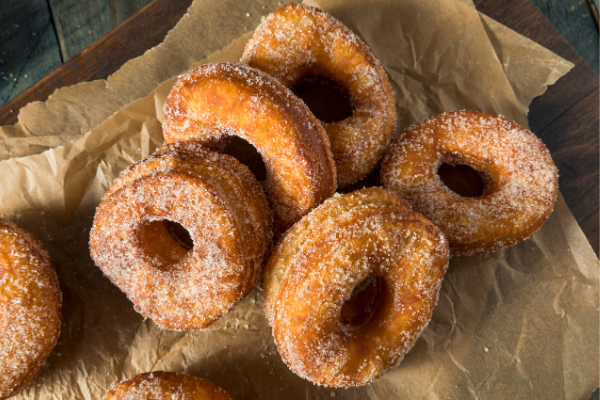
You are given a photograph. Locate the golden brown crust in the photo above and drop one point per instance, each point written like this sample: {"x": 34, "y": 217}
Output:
{"x": 297, "y": 42}
{"x": 522, "y": 179}
{"x": 30, "y": 308}
{"x": 161, "y": 385}
{"x": 214, "y": 101}
{"x": 318, "y": 263}
{"x": 226, "y": 214}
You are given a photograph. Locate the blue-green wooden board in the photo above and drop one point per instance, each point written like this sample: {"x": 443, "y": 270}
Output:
{"x": 37, "y": 36}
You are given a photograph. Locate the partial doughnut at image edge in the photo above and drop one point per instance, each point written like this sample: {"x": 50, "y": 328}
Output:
{"x": 166, "y": 386}
{"x": 30, "y": 308}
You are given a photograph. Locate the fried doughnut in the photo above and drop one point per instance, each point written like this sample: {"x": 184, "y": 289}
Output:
{"x": 314, "y": 269}
{"x": 521, "y": 181}
{"x": 226, "y": 214}
{"x": 30, "y": 308}
{"x": 161, "y": 385}
{"x": 298, "y": 43}
{"x": 214, "y": 101}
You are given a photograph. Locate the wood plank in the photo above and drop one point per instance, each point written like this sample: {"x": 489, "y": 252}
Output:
{"x": 573, "y": 19}
{"x": 29, "y": 48}
{"x": 144, "y": 30}
{"x": 545, "y": 109}
{"x": 576, "y": 155}
{"x": 81, "y": 23}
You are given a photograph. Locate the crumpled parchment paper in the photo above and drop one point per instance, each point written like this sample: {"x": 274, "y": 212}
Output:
{"x": 519, "y": 323}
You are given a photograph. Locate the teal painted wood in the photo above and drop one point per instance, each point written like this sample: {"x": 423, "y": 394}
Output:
{"x": 28, "y": 45}
{"x": 80, "y": 23}
{"x": 37, "y": 36}
{"x": 573, "y": 19}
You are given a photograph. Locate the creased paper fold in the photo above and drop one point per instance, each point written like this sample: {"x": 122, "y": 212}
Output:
{"x": 519, "y": 323}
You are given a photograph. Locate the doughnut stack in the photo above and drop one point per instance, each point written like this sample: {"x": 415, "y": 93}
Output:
{"x": 350, "y": 281}
{"x": 221, "y": 205}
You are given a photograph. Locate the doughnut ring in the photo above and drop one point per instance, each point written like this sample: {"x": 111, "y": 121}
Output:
{"x": 30, "y": 308}
{"x": 521, "y": 181}
{"x": 228, "y": 219}
{"x": 298, "y": 43}
{"x": 320, "y": 260}
{"x": 214, "y": 101}
{"x": 161, "y": 385}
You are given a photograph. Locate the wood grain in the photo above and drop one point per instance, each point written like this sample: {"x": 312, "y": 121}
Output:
{"x": 29, "y": 49}
{"x": 573, "y": 19}
{"x": 144, "y": 30}
{"x": 80, "y": 23}
{"x": 576, "y": 156}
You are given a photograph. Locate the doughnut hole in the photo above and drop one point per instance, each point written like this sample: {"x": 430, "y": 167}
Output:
{"x": 246, "y": 153}
{"x": 180, "y": 234}
{"x": 364, "y": 305}
{"x": 464, "y": 180}
{"x": 165, "y": 242}
{"x": 324, "y": 99}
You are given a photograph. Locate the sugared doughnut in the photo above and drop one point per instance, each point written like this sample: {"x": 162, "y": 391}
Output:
{"x": 222, "y": 207}
{"x": 166, "y": 386}
{"x": 297, "y": 43}
{"x": 214, "y": 101}
{"x": 520, "y": 178}
{"x": 314, "y": 269}
{"x": 30, "y": 308}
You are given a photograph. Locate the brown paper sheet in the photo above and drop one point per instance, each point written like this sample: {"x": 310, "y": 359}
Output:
{"x": 519, "y": 55}
{"x": 522, "y": 322}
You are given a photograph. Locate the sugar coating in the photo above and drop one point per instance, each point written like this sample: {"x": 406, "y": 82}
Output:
{"x": 226, "y": 214}
{"x": 318, "y": 263}
{"x": 521, "y": 187}
{"x": 166, "y": 386}
{"x": 215, "y": 101}
{"x": 30, "y": 308}
{"x": 297, "y": 42}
